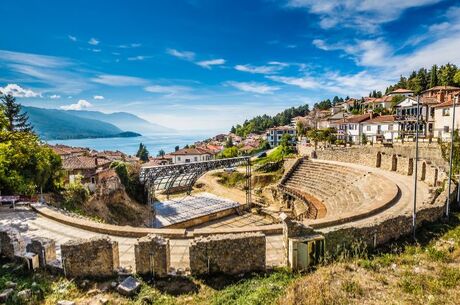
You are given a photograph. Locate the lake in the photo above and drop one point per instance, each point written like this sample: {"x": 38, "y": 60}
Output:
{"x": 129, "y": 146}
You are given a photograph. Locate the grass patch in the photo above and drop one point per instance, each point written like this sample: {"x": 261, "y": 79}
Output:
{"x": 233, "y": 179}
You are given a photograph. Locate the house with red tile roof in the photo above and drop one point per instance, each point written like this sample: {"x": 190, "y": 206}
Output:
{"x": 381, "y": 128}
{"x": 188, "y": 155}
{"x": 443, "y": 113}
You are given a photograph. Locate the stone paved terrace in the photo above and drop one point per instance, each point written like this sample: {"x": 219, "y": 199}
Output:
{"x": 178, "y": 210}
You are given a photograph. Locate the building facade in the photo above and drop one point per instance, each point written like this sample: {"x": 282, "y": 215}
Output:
{"x": 275, "y": 134}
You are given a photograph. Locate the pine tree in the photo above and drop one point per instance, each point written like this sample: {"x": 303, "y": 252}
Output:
{"x": 17, "y": 120}
{"x": 142, "y": 153}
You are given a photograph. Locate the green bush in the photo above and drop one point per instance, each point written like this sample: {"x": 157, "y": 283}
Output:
{"x": 75, "y": 194}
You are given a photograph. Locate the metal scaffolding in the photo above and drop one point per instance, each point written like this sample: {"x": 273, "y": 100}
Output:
{"x": 184, "y": 176}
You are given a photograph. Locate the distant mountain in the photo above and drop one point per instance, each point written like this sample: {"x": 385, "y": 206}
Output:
{"x": 124, "y": 120}
{"x": 52, "y": 124}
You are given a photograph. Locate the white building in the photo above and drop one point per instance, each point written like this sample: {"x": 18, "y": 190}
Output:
{"x": 275, "y": 134}
{"x": 443, "y": 119}
{"x": 188, "y": 155}
{"x": 350, "y": 129}
{"x": 381, "y": 128}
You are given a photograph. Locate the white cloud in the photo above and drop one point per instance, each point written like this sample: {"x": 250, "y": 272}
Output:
{"x": 119, "y": 80}
{"x": 305, "y": 82}
{"x": 169, "y": 90}
{"x": 253, "y": 87}
{"x": 271, "y": 68}
{"x": 17, "y": 91}
{"x": 33, "y": 59}
{"x": 207, "y": 64}
{"x": 138, "y": 58}
{"x": 186, "y": 55}
{"x": 131, "y": 45}
{"x": 73, "y": 38}
{"x": 55, "y": 97}
{"x": 93, "y": 41}
{"x": 365, "y": 15}
{"x": 98, "y": 97}
{"x": 81, "y": 104}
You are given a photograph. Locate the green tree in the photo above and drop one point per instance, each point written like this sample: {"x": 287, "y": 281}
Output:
{"x": 315, "y": 136}
{"x": 434, "y": 76}
{"x": 17, "y": 120}
{"x": 142, "y": 153}
{"x": 176, "y": 148}
{"x": 457, "y": 78}
{"x": 447, "y": 73}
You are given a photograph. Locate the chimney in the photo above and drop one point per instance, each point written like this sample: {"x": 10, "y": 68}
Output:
{"x": 95, "y": 161}
{"x": 371, "y": 115}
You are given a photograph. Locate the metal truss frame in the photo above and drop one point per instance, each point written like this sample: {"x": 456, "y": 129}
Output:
{"x": 167, "y": 177}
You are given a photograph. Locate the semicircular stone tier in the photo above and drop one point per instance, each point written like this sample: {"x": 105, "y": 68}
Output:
{"x": 340, "y": 192}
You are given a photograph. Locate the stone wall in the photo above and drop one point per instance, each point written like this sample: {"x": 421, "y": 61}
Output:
{"x": 97, "y": 257}
{"x": 11, "y": 243}
{"x": 383, "y": 231}
{"x": 228, "y": 253}
{"x": 152, "y": 255}
{"x": 45, "y": 248}
{"x": 405, "y": 165}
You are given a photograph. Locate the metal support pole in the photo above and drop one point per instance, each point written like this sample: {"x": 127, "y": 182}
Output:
{"x": 414, "y": 212}
{"x": 452, "y": 131}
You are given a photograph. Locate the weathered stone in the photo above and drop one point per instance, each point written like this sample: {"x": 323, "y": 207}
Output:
{"x": 11, "y": 243}
{"x": 10, "y": 284}
{"x": 152, "y": 255}
{"x": 55, "y": 267}
{"x": 96, "y": 257}
{"x": 25, "y": 295}
{"x": 129, "y": 286}
{"x": 64, "y": 302}
{"x": 228, "y": 253}
{"x": 5, "y": 295}
{"x": 45, "y": 248}
{"x": 31, "y": 261}
{"x": 292, "y": 228}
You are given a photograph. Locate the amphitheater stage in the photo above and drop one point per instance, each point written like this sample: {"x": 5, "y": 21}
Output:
{"x": 192, "y": 210}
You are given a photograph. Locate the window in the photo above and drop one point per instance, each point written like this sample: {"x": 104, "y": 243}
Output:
{"x": 446, "y": 128}
{"x": 390, "y": 127}
{"x": 446, "y": 112}
{"x": 178, "y": 158}
{"x": 196, "y": 158}
{"x": 93, "y": 180}
{"x": 368, "y": 128}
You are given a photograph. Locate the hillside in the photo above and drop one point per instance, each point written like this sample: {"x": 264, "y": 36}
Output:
{"x": 123, "y": 120}
{"x": 58, "y": 124}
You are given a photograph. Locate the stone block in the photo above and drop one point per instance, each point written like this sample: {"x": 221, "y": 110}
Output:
{"x": 293, "y": 228}
{"x": 11, "y": 243}
{"x": 152, "y": 255}
{"x": 129, "y": 286}
{"x": 97, "y": 257}
{"x": 45, "y": 248}
{"x": 5, "y": 295}
{"x": 228, "y": 253}
{"x": 31, "y": 260}
{"x": 55, "y": 267}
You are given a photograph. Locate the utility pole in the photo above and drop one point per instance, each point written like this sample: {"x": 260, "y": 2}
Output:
{"x": 452, "y": 131}
{"x": 414, "y": 212}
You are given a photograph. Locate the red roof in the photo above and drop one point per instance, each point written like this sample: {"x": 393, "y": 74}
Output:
{"x": 191, "y": 151}
{"x": 358, "y": 118}
{"x": 447, "y": 104}
{"x": 382, "y": 119}
{"x": 83, "y": 162}
{"x": 448, "y": 88}
{"x": 401, "y": 90}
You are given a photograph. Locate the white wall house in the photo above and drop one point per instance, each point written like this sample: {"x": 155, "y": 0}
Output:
{"x": 350, "y": 129}
{"x": 382, "y": 128}
{"x": 189, "y": 155}
{"x": 275, "y": 134}
{"x": 443, "y": 120}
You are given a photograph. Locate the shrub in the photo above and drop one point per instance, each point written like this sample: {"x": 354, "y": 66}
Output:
{"x": 75, "y": 194}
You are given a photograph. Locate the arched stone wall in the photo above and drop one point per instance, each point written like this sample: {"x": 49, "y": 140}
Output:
{"x": 378, "y": 160}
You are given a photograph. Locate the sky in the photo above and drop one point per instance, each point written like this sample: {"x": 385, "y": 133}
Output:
{"x": 209, "y": 64}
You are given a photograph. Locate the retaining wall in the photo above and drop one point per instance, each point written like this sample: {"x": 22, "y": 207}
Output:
{"x": 152, "y": 255}
{"x": 97, "y": 257}
{"x": 229, "y": 254}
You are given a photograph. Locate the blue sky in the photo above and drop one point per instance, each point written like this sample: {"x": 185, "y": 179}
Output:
{"x": 207, "y": 64}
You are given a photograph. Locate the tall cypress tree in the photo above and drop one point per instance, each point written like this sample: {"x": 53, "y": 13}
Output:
{"x": 434, "y": 76}
{"x": 17, "y": 120}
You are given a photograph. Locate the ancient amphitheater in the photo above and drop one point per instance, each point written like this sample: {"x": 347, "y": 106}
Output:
{"x": 346, "y": 195}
